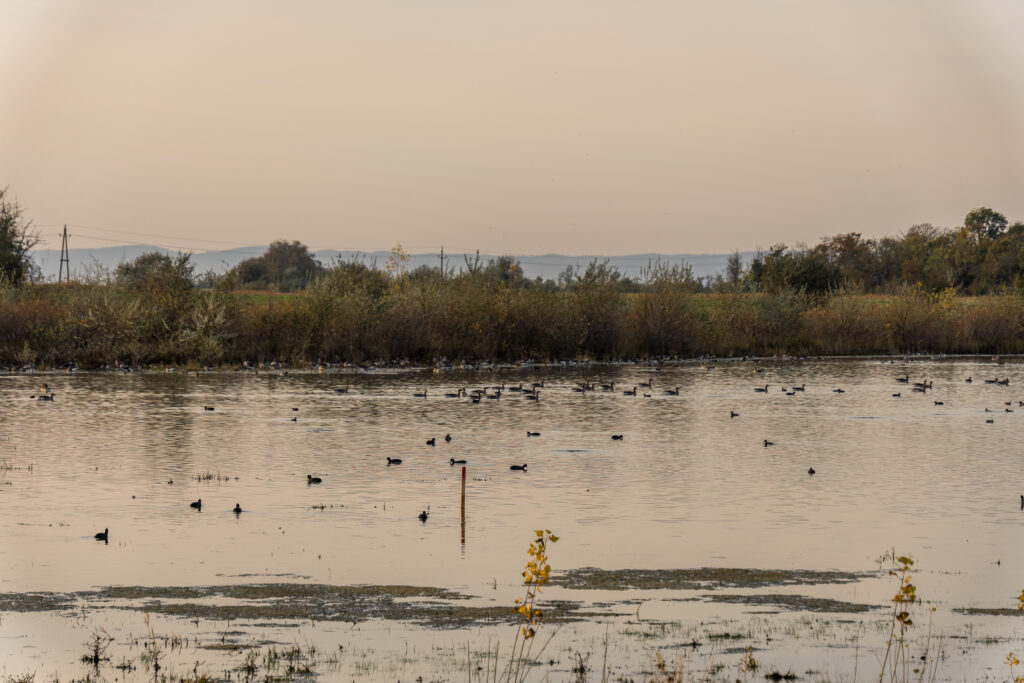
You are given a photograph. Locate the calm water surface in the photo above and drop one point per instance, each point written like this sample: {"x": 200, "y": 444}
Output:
{"x": 687, "y": 486}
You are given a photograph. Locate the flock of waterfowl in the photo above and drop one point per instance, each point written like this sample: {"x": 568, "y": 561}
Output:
{"x": 532, "y": 392}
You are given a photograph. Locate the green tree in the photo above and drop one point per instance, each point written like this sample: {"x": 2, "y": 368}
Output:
{"x": 985, "y": 223}
{"x": 284, "y": 266}
{"x": 17, "y": 238}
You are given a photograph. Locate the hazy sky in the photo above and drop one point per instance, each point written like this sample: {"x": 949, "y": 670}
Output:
{"x": 525, "y": 127}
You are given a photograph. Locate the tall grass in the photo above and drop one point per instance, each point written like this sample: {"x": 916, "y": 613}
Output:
{"x": 471, "y": 317}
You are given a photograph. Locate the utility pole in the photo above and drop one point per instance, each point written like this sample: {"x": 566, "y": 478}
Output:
{"x": 65, "y": 260}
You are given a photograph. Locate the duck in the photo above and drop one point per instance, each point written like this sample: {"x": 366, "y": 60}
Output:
{"x": 968, "y": 380}
{"x": 939, "y": 403}
{"x": 989, "y": 422}
{"x": 616, "y": 437}
{"x": 103, "y": 536}
{"x": 447, "y": 438}
{"x": 237, "y": 509}
{"x": 453, "y": 461}
{"x": 45, "y": 397}
{"x": 197, "y": 505}
{"x": 207, "y": 407}
{"x": 629, "y": 392}
{"x": 421, "y": 394}
{"x": 394, "y": 461}
{"x": 768, "y": 443}
{"x": 672, "y": 392}
{"x": 802, "y": 387}
{"x": 733, "y": 413}
{"x": 431, "y": 441}
{"x": 310, "y": 479}
{"x": 839, "y": 391}
{"x": 763, "y": 391}
{"x": 896, "y": 395}
{"x": 341, "y": 390}
{"x": 519, "y": 467}
{"x": 533, "y": 397}
{"x": 533, "y": 433}
{"x": 903, "y": 380}
{"x": 423, "y": 516}
{"x": 811, "y": 471}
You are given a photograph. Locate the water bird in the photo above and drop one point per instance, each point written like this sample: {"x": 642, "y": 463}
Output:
{"x": 1022, "y": 502}
{"x": 532, "y": 396}
{"x": 341, "y": 390}
{"x": 170, "y": 481}
{"x": 768, "y": 443}
{"x": 423, "y": 516}
{"x": 903, "y": 380}
{"x": 457, "y": 394}
{"x": 45, "y": 397}
{"x": 672, "y": 392}
{"x": 838, "y": 391}
{"x": 310, "y": 479}
{"x": 295, "y": 419}
{"x": 939, "y": 403}
{"x": 207, "y": 407}
{"x": 237, "y": 509}
{"x": 519, "y": 467}
{"x": 295, "y": 409}
{"x": 447, "y": 438}
{"x": 989, "y": 422}
{"x": 646, "y": 384}
{"x": 896, "y": 395}
{"x": 733, "y": 413}
{"x": 197, "y": 505}
{"x": 616, "y": 437}
{"x": 968, "y": 380}
{"x": 802, "y": 387}
{"x": 629, "y": 392}
{"x": 810, "y": 471}
{"x": 421, "y": 394}
{"x": 1008, "y": 410}
{"x": 533, "y": 433}
{"x": 431, "y": 441}
{"x": 763, "y": 391}
{"x": 647, "y": 395}
{"x": 453, "y": 461}
{"x": 394, "y": 461}
{"x": 103, "y": 536}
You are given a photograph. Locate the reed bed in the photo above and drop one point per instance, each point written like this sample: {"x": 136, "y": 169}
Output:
{"x": 471, "y": 317}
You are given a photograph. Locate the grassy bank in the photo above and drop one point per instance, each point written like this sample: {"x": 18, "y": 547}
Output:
{"x": 467, "y": 318}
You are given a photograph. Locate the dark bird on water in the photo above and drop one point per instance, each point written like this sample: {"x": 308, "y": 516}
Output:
{"x": 431, "y": 441}
{"x": 896, "y": 395}
{"x": 457, "y": 462}
{"x": 295, "y": 419}
{"x": 198, "y": 505}
{"x": 733, "y": 413}
{"x": 616, "y": 437}
{"x": 310, "y": 479}
{"x": 519, "y": 467}
{"x": 533, "y": 433}
{"x": 838, "y": 391}
{"x": 763, "y": 391}
{"x": 105, "y": 534}
{"x": 238, "y": 509}
{"x": 207, "y": 407}
{"x": 768, "y": 443}
{"x": 447, "y": 438}
{"x": 939, "y": 403}
{"x": 810, "y": 471}
{"x": 423, "y": 516}
{"x": 394, "y": 461}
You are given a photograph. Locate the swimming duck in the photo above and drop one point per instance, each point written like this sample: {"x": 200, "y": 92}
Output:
{"x": 453, "y": 461}
{"x": 422, "y": 394}
{"x": 238, "y": 509}
{"x": 733, "y": 413}
{"x": 103, "y": 535}
{"x": 768, "y": 443}
{"x": 431, "y": 441}
{"x": 838, "y": 391}
{"x": 811, "y": 471}
{"x": 519, "y": 467}
{"x": 616, "y": 437}
{"x": 533, "y": 433}
{"x": 763, "y": 391}
{"x": 45, "y": 397}
{"x": 207, "y": 407}
{"x": 197, "y": 505}
{"x": 447, "y": 438}
{"x": 629, "y": 392}
{"x": 394, "y": 461}
{"x": 423, "y": 516}
{"x": 310, "y": 479}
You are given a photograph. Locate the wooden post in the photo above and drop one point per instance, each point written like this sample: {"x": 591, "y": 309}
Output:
{"x": 463, "y": 506}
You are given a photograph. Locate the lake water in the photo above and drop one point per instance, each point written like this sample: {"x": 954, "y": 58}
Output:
{"x": 687, "y": 486}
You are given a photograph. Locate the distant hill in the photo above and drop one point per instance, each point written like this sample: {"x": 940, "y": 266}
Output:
{"x": 546, "y": 266}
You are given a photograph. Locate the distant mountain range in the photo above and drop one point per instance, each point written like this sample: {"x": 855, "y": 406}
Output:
{"x": 546, "y": 266}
